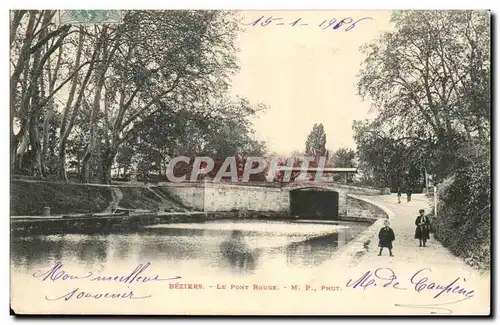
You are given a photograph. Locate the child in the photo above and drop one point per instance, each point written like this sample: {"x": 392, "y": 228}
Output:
{"x": 386, "y": 236}
{"x": 423, "y": 225}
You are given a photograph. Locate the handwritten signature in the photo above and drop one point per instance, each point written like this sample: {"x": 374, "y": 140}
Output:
{"x": 333, "y": 23}
{"x": 136, "y": 276}
{"x": 419, "y": 282}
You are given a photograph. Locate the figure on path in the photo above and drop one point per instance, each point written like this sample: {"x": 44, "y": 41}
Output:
{"x": 408, "y": 195}
{"x": 386, "y": 237}
{"x": 399, "y": 194}
{"x": 423, "y": 224}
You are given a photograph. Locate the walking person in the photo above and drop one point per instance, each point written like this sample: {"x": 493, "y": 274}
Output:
{"x": 399, "y": 195}
{"x": 423, "y": 224}
{"x": 408, "y": 195}
{"x": 386, "y": 237}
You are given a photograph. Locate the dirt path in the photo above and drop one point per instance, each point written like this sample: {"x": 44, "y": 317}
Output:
{"x": 418, "y": 269}
{"x": 116, "y": 197}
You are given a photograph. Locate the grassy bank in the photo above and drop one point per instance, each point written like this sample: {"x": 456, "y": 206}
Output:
{"x": 29, "y": 198}
{"x": 139, "y": 198}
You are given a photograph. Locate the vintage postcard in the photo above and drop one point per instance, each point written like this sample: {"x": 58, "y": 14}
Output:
{"x": 222, "y": 162}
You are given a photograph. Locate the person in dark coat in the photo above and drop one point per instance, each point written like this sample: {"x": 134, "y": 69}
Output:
{"x": 386, "y": 237}
{"x": 408, "y": 195}
{"x": 423, "y": 224}
{"x": 399, "y": 195}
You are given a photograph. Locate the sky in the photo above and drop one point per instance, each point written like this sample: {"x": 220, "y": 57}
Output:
{"x": 305, "y": 74}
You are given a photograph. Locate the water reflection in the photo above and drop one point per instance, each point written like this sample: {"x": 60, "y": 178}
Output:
{"x": 239, "y": 254}
{"x": 244, "y": 249}
{"x": 312, "y": 252}
{"x": 173, "y": 247}
{"x": 91, "y": 250}
{"x": 41, "y": 250}
{"x": 33, "y": 251}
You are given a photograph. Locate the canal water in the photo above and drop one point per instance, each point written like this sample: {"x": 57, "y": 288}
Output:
{"x": 236, "y": 248}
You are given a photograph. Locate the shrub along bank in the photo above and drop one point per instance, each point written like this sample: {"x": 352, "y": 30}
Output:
{"x": 463, "y": 224}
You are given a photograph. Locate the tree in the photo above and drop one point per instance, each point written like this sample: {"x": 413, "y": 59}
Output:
{"x": 390, "y": 160}
{"x": 316, "y": 141}
{"x": 429, "y": 79}
{"x": 223, "y": 132}
{"x": 344, "y": 157}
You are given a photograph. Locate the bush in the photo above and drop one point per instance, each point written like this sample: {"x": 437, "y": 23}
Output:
{"x": 463, "y": 224}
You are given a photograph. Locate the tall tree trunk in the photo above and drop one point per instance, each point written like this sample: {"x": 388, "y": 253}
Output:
{"x": 50, "y": 105}
{"x": 92, "y": 132}
{"x": 14, "y": 24}
{"x": 37, "y": 92}
{"x": 107, "y": 163}
{"x": 35, "y": 148}
{"x": 20, "y": 67}
{"x": 45, "y": 128}
{"x": 45, "y": 139}
{"x": 68, "y": 117}
{"x": 62, "y": 159}
{"x": 100, "y": 73}
{"x": 33, "y": 109}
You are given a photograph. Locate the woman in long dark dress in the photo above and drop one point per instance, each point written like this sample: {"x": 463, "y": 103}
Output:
{"x": 386, "y": 237}
{"x": 423, "y": 224}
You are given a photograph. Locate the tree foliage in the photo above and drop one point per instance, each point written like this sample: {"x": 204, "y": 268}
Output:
{"x": 429, "y": 80}
{"x": 158, "y": 83}
{"x": 316, "y": 141}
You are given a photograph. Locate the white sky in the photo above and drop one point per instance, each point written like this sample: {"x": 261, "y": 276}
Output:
{"x": 305, "y": 75}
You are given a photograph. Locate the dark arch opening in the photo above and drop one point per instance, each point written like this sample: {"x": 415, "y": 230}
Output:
{"x": 314, "y": 203}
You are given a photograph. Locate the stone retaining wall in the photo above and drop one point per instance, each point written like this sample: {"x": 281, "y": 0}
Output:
{"x": 368, "y": 238}
{"x": 210, "y": 197}
{"x": 360, "y": 208}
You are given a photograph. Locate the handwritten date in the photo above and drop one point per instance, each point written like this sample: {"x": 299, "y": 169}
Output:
{"x": 346, "y": 24}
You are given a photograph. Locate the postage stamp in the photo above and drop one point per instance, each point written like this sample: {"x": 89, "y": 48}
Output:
{"x": 222, "y": 162}
{"x": 89, "y": 17}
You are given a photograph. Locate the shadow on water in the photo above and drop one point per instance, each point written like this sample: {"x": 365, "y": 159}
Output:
{"x": 238, "y": 253}
{"x": 38, "y": 250}
{"x": 312, "y": 252}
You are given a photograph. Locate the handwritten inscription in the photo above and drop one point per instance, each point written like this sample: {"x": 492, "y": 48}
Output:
{"x": 422, "y": 283}
{"x": 419, "y": 282}
{"x": 136, "y": 276}
{"x": 57, "y": 273}
{"x": 383, "y": 277}
{"x": 80, "y": 294}
{"x": 386, "y": 277}
{"x": 346, "y": 24}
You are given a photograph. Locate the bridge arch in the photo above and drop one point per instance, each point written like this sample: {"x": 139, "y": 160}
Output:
{"x": 316, "y": 202}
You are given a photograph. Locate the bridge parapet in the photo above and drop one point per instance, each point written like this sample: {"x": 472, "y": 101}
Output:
{"x": 301, "y": 185}
{"x": 334, "y": 186}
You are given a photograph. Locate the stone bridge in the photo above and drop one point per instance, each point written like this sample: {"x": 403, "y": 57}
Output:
{"x": 305, "y": 199}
